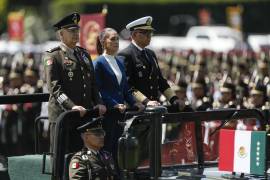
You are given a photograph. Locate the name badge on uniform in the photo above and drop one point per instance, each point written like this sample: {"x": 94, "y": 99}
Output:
{"x": 140, "y": 74}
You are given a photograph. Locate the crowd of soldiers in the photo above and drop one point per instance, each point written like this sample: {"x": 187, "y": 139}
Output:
{"x": 204, "y": 80}
{"x": 19, "y": 74}
{"x": 209, "y": 81}
{"x": 208, "y": 78}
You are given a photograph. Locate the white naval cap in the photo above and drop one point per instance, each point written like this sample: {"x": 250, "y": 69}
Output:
{"x": 142, "y": 23}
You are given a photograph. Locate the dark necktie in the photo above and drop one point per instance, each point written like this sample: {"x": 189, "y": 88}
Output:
{"x": 146, "y": 57}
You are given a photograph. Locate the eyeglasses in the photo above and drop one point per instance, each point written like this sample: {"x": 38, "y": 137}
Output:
{"x": 146, "y": 33}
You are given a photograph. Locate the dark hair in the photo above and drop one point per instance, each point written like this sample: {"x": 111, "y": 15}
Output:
{"x": 101, "y": 38}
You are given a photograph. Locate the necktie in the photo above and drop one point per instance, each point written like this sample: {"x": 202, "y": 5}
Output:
{"x": 146, "y": 57}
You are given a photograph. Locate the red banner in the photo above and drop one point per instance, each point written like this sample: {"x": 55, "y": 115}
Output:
{"x": 91, "y": 25}
{"x": 15, "y": 26}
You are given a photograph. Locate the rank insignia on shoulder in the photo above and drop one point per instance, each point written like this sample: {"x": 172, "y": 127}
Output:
{"x": 84, "y": 157}
{"x": 54, "y": 49}
{"x": 75, "y": 165}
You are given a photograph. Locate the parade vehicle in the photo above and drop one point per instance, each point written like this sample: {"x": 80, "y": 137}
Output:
{"x": 257, "y": 42}
{"x": 163, "y": 161}
{"x": 215, "y": 38}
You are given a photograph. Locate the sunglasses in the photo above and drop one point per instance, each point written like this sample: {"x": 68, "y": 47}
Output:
{"x": 97, "y": 133}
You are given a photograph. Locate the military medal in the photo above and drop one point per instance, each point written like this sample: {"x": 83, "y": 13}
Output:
{"x": 49, "y": 62}
{"x": 140, "y": 74}
{"x": 70, "y": 74}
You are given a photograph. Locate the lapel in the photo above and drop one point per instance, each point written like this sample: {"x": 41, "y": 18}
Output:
{"x": 139, "y": 55}
{"x": 109, "y": 69}
{"x": 121, "y": 69}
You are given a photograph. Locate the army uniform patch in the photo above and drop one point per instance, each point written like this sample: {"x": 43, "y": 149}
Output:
{"x": 48, "y": 62}
{"x": 75, "y": 165}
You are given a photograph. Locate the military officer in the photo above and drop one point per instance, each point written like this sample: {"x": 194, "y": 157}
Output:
{"x": 144, "y": 77}
{"x": 142, "y": 69}
{"x": 91, "y": 162}
{"x": 70, "y": 75}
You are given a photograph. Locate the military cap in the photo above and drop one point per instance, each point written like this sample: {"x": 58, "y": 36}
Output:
{"x": 70, "y": 21}
{"x": 142, "y": 23}
{"x": 14, "y": 74}
{"x": 92, "y": 125}
{"x": 30, "y": 72}
{"x": 258, "y": 88}
{"x": 263, "y": 63}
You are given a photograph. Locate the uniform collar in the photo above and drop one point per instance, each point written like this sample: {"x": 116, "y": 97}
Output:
{"x": 136, "y": 45}
{"x": 91, "y": 151}
{"x": 65, "y": 48}
{"x": 68, "y": 51}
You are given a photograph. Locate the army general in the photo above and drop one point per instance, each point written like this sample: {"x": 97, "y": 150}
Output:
{"x": 70, "y": 75}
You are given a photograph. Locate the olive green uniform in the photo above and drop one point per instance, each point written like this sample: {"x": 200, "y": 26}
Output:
{"x": 88, "y": 164}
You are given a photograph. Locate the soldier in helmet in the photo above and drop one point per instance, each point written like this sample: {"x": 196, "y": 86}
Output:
{"x": 92, "y": 162}
{"x": 70, "y": 76}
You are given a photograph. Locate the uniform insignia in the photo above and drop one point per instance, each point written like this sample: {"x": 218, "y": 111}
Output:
{"x": 75, "y": 165}
{"x": 148, "y": 22}
{"x": 84, "y": 157}
{"x": 140, "y": 74}
{"x": 70, "y": 74}
{"x": 89, "y": 152}
{"x": 54, "y": 49}
{"x": 48, "y": 62}
{"x": 75, "y": 19}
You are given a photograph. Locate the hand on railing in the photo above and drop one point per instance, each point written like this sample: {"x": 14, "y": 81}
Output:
{"x": 91, "y": 113}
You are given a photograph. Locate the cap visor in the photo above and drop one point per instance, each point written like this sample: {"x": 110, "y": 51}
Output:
{"x": 71, "y": 26}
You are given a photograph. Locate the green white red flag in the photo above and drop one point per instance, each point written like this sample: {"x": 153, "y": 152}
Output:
{"x": 242, "y": 151}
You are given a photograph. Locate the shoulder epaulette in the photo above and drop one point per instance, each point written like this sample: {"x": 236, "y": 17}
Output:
{"x": 82, "y": 48}
{"x": 54, "y": 49}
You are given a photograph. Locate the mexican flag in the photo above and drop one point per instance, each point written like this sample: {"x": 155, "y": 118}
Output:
{"x": 242, "y": 151}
